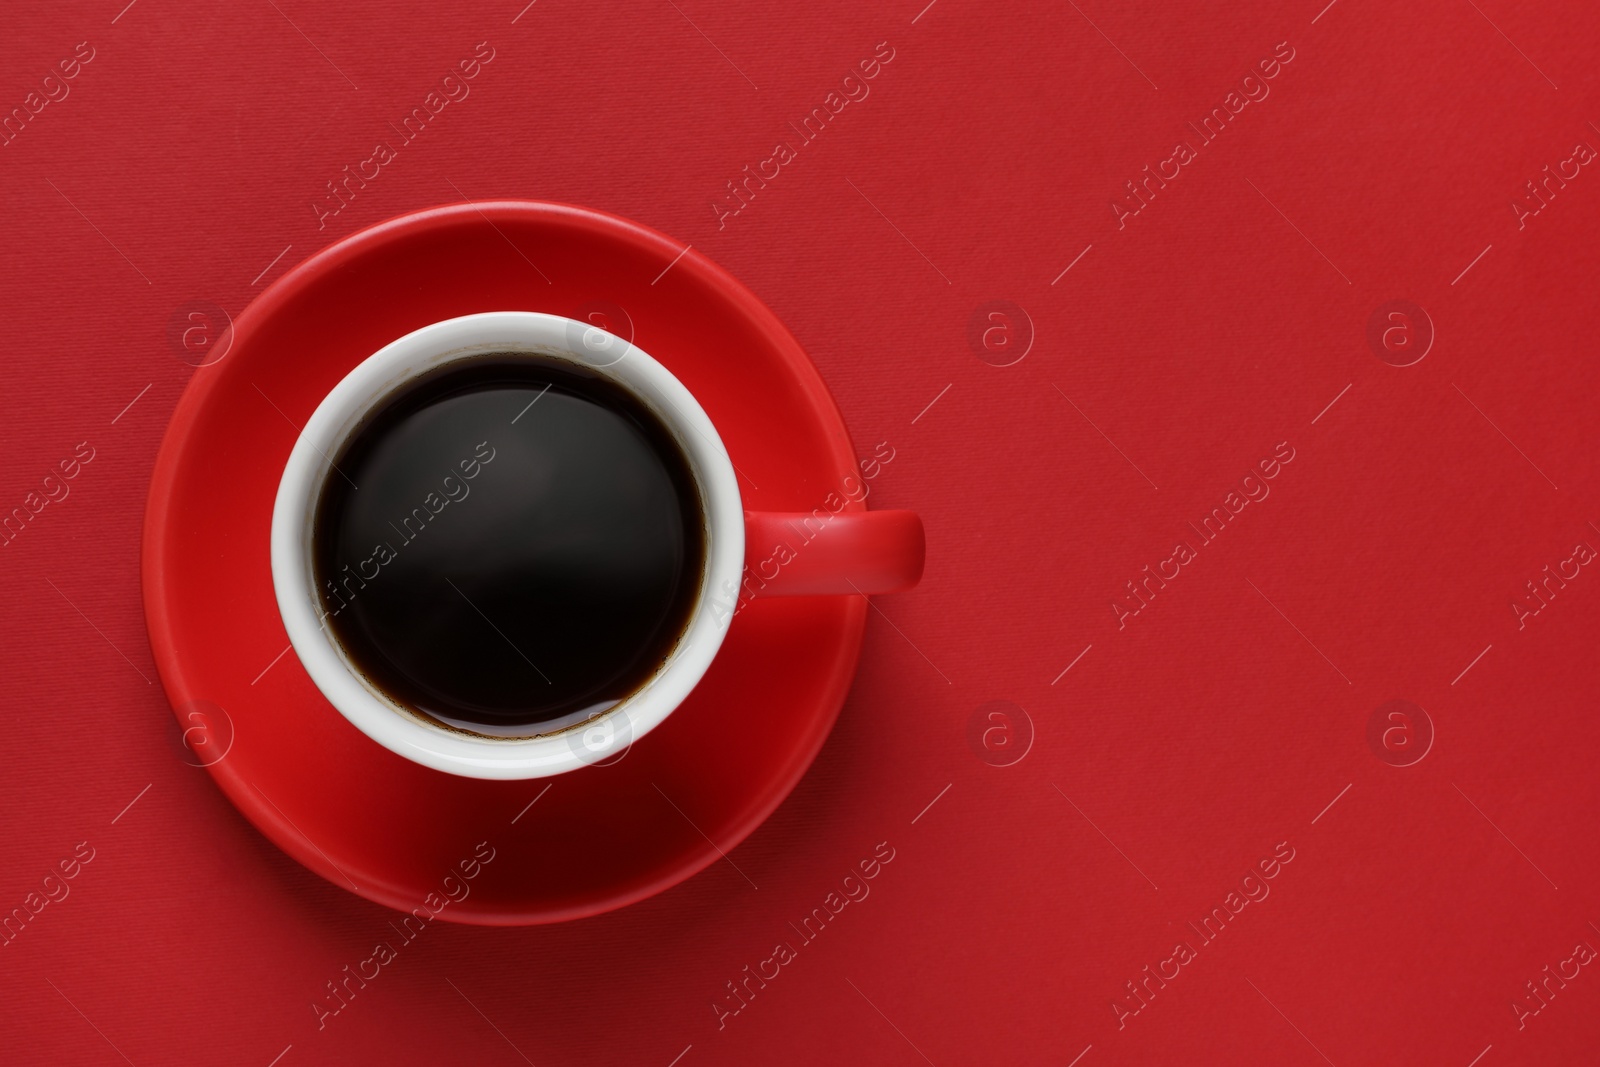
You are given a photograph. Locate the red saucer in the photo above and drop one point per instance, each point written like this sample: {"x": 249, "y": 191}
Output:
{"x": 366, "y": 819}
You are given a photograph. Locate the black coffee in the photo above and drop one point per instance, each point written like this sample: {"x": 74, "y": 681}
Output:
{"x": 509, "y": 546}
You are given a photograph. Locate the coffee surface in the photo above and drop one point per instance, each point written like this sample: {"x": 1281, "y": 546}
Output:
{"x": 509, "y": 546}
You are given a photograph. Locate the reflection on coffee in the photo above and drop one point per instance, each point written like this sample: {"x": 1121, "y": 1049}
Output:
{"x": 509, "y": 545}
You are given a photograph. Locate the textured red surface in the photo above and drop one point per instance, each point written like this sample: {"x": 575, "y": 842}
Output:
{"x": 1178, "y": 351}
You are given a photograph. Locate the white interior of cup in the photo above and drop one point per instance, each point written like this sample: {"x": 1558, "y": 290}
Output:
{"x": 372, "y": 383}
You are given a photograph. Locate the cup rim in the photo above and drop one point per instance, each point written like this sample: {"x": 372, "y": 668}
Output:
{"x": 377, "y": 378}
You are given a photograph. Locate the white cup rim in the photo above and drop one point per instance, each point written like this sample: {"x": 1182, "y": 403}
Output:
{"x": 366, "y": 387}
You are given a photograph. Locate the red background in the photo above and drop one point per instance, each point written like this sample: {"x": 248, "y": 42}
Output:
{"x": 1222, "y": 720}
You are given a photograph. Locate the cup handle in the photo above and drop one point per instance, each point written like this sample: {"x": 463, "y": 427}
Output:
{"x": 809, "y": 554}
